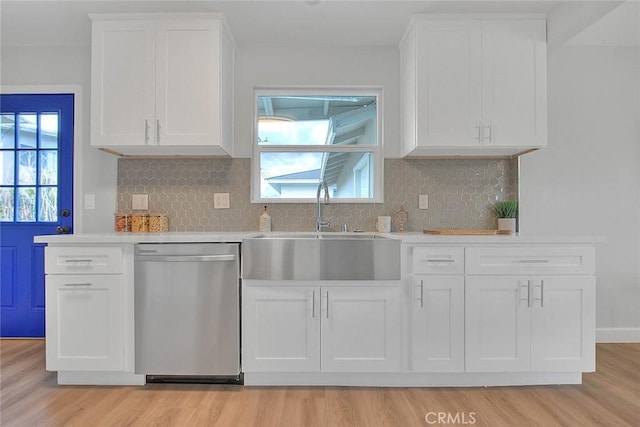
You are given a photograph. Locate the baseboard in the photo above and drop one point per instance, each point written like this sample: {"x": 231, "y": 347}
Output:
{"x": 618, "y": 335}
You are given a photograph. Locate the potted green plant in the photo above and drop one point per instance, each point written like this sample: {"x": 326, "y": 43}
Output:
{"x": 507, "y": 211}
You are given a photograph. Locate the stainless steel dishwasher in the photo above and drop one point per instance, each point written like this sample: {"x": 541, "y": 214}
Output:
{"x": 187, "y": 312}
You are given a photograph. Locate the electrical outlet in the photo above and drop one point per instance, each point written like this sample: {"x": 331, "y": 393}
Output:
{"x": 423, "y": 201}
{"x": 140, "y": 202}
{"x": 220, "y": 200}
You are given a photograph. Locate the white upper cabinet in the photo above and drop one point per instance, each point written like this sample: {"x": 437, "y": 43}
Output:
{"x": 473, "y": 87}
{"x": 162, "y": 85}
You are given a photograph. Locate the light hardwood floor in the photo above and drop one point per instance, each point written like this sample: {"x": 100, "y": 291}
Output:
{"x": 29, "y": 396}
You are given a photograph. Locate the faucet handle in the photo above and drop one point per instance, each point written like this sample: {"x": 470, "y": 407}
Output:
{"x": 345, "y": 227}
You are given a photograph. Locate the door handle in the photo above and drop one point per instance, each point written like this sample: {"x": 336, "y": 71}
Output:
{"x": 63, "y": 229}
{"x": 421, "y": 293}
{"x": 188, "y": 258}
{"x": 158, "y": 130}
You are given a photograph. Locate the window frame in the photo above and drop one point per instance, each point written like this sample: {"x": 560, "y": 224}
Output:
{"x": 376, "y": 150}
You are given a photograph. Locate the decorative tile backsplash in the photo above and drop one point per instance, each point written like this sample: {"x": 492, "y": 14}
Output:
{"x": 461, "y": 193}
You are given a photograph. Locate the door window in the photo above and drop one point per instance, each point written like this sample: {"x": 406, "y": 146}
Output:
{"x": 29, "y": 167}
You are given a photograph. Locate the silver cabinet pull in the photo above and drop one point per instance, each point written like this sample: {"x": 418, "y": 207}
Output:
{"x": 441, "y": 260}
{"x": 313, "y": 304}
{"x": 77, "y": 260}
{"x": 421, "y": 293}
{"x": 158, "y": 130}
{"x": 479, "y": 136}
{"x": 490, "y": 129}
{"x": 146, "y": 131}
{"x": 528, "y": 287}
{"x": 541, "y": 299}
{"x": 77, "y": 284}
{"x": 534, "y": 261}
{"x": 327, "y": 304}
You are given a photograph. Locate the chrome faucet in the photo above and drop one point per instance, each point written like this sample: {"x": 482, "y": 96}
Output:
{"x": 320, "y": 221}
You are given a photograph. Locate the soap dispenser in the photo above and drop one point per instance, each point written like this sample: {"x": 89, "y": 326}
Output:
{"x": 265, "y": 220}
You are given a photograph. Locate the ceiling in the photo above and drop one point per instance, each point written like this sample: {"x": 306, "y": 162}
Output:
{"x": 304, "y": 22}
{"x": 620, "y": 27}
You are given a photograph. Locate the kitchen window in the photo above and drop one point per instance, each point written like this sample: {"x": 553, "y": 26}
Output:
{"x": 304, "y": 137}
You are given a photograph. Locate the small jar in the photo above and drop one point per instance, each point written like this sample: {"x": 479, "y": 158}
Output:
{"x": 158, "y": 223}
{"x": 140, "y": 223}
{"x": 122, "y": 222}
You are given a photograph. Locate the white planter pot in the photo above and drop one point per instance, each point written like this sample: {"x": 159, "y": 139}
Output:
{"x": 507, "y": 224}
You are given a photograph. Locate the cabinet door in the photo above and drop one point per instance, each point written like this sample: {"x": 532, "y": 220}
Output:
{"x": 85, "y": 322}
{"x": 497, "y": 324}
{"x": 360, "y": 329}
{"x": 122, "y": 83}
{"x": 563, "y": 324}
{"x": 281, "y": 329}
{"x": 448, "y": 83}
{"x": 514, "y": 83}
{"x": 438, "y": 324}
{"x": 188, "y": 83}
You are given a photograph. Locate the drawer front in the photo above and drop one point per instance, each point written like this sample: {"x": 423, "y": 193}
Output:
{"x": 437, "y": 260}
{"x": 530, "y": 260}
{"x": 83, "y": 260}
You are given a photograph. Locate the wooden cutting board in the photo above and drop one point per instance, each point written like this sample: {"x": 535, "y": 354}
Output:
{"x": 464, "y": 232}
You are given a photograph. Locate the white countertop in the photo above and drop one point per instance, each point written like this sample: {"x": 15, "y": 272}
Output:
{"x": 411, "y": 237}
{"x": 418, "y": 237}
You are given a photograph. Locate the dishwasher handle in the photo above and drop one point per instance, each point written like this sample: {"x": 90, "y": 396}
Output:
{"x": 187, "y": 258}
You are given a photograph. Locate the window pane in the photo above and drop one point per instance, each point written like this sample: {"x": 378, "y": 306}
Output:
{"x": 49, "y": 131}
{"x": 297, "y": 175}
{"x": 48, "y": 167}
{"x": 26, "y": 204}
{"x": 48, "y": 210}
{"x": 6, "y": 204}
{"x": 7, "y": 168}
{"x": 316, "y": 120}
{"x": 7, "y": 138}
{"x": 284, "y": 132}
{"x": 27, "y": 130}
{"x": 26, "y": 167}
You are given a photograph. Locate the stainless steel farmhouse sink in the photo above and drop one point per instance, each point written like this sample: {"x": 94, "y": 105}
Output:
{"x": 320, "y": 256}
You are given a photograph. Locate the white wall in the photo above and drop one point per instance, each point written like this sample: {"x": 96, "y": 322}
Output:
{"x": 96, "y": 171}
{"x": 587, "y": 180}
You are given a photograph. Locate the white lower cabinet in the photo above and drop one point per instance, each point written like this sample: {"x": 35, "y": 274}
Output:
{"x": 281, "y": 329}
{"x": 360, "y": 329}
{"x": 89, "y": 314}
{"x": 320, "y": 328}
{"x": 438, "y": 323}
{"x": 84, "y": 326}
{"x": 563, "y": 324}
{"x": 530, "y": 323}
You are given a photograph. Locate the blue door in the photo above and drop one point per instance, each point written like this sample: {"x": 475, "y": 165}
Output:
{"x": 36, "y": 197}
